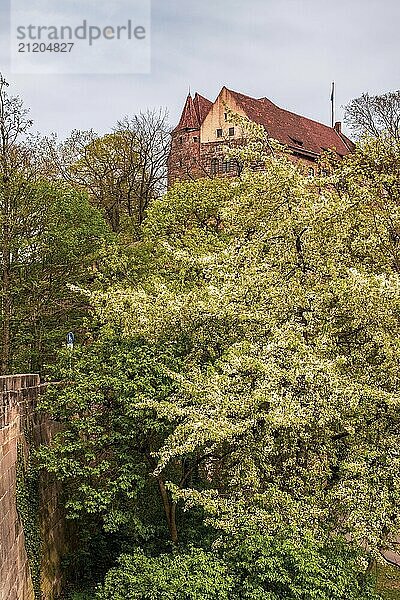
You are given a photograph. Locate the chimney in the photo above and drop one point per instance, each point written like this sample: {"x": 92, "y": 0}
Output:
{"x": 338, "y": 127}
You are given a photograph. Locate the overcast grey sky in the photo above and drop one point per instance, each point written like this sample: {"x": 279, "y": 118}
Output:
{"x": 287, "y": 50}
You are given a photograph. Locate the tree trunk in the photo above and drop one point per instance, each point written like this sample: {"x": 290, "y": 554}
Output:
{"x": 173, "y": 529}
{"x": 169, "y": 509}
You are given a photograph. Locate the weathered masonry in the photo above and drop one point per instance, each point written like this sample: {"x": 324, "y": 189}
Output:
{"x": 32, "y": 532}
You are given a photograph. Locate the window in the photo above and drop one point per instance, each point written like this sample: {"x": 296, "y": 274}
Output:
{"x": 180, "y": 162}
{"x": 219, "y": 133}
{"x": 296, "y": 141}
{"x": 181, "y": 140}
{"x": 311, "y": 172}
{"x": 229, "y": 165}
{"x": 195, "y": 139}
{"x": 231, "y": 131}
{"x": 233, "y": 164}
{"x": 214, "y": 166}
{"x": 226, "y": 116}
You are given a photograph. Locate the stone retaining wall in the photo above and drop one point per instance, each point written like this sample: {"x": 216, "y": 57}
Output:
{"x": 32, "y": 531}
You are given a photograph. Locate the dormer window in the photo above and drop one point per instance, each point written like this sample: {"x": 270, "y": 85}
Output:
{"x": 219, "y": 133}
{"x": 231, "y": 131}
{"x": 296, "y": 141}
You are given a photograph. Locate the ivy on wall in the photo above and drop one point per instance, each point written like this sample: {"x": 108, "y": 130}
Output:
{"x": 27, "y": 498}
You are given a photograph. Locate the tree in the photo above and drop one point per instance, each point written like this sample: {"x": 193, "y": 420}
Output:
{"x": 56, "y": 246}
{"x": 248, "y": 565}
{"x": 190, "y": 576}
{"x": 121, "y": 171}
{"x": 49, "y": 235}
{"x": 102, "y": 407}
{"x": 269, "y": 309}
{"x": 375, "y": 115}
{"x": 292, "y": 336}
{"x": 151, "y": 134}
{"x": 16, "y": 158}
{"x": 283, "y": 566}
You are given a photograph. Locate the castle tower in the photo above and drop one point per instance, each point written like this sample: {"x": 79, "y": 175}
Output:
{"x": 184, "y": 157}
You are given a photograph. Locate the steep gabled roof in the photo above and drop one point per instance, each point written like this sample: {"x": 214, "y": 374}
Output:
{"x": 202, "y": 106}
{"x": 297, "y": 132}
{"x": 189, "y": 118}
{"x": 194, "y": 112}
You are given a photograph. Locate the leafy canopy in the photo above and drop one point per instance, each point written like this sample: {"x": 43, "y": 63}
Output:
{"x": 268, "y": 319}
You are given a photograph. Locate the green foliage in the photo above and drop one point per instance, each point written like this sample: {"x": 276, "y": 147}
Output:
{"x": 251, "y": 372}
{"x": 49, "y": 237}
{"x": 82, "y": 596}
{"x": 103, "y": 451}
{"x": 291, "y": 373}
{"x": 292, "y": 564}
{"x": 92, "y": 553}
{"x": 122, "y": 171}
{"x": 249, "y": 565}
{"x": 27, "y": 498}
{"x": 197, "y": 575}
{"x": 54, "y": 245}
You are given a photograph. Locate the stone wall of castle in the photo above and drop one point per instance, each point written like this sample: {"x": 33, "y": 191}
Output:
{"x": 191, "y": 159}
{"x": 32, "y": 530}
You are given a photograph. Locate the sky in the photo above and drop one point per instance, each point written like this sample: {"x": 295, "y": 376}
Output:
{"x": 287, "y": 50}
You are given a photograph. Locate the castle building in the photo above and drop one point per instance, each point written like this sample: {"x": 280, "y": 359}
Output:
{"x": 199, "y": 140}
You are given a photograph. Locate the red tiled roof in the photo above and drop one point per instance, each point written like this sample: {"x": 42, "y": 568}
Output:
{"x": 299, "y": 133}
{"x": 189, "y": 118}
{"x": 295, "y": 131}
{"x": 202, "y": 106}
{"x": 194, "y": 112}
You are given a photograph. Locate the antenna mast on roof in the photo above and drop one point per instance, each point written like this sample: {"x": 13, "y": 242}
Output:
{"x": 333, "y": 104}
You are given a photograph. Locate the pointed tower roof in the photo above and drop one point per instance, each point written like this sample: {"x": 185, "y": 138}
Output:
{"x": 189, "y": 118}
{"x": 194, "y": 112}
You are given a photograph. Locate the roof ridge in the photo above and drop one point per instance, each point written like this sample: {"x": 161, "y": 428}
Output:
{"x": 247, "y": 97}
{"x": 290, "y": 112}
{"x": 347, "y": 141}
{"x": 280, "y": 108}
{"x": 202, "y": 97}
{"x": 240, "y": 94}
